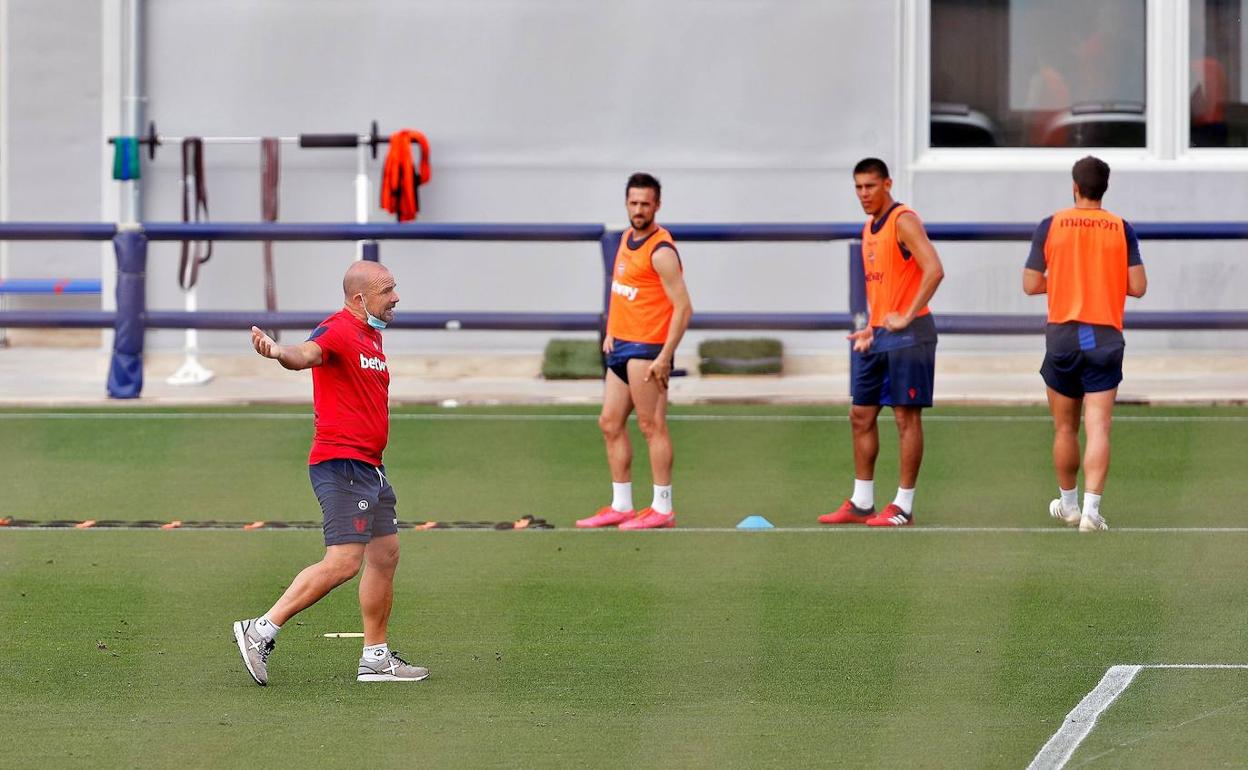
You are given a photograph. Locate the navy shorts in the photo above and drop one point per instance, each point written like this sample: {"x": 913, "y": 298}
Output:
{"x": 357, "y": 502}
{"x": 622, "y": 351}
{"x": 1076, "y": 372}
{"x": 899, "y": 377}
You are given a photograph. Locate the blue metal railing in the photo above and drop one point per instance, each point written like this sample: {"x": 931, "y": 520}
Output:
{"x": 49, "y": 285}
{"x": 132, "y": 316}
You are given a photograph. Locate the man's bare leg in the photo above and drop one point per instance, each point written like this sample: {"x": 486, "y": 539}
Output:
{"x": 1097, "y": 419}
{"x": 617, "y": 403}
{"x": 1065, "y": 411}
{"x": 381, "y": 559}
{"x": 340, "y": 564}
{"x": 255, "y": 636}
{"x": 650, "y": 401}
{"x": 863, "y": 421}
{"x": 910, "y": 437}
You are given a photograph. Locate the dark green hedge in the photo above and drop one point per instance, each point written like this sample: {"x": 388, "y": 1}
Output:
{"x": 741, "y": 356}
{"x": 572, "y": 360}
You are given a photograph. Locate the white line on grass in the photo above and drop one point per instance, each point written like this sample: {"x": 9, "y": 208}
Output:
{"x": 1058, "y": 750}
{"x": 586, "y": 417}
{"x": 1167, "y": 729}
{"x": 1195, "y": 665}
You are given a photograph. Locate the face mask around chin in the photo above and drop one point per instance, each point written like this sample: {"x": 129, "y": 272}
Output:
{"x": 373, "y": 320}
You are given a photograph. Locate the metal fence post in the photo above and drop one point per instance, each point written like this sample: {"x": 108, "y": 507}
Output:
{"x": 125, "y": 371}
{"x": 857, "y": 299}
{"x": 610, "y": 244}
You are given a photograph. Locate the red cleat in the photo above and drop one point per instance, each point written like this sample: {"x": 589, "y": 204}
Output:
{"x": 891, "y": 516}
{"x": 648, "y": 518}
{"x": 848, "y": 513}
{"x": 605, "y": 517}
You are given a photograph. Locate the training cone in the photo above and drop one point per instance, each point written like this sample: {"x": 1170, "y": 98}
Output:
{"x": 755, "y": 522}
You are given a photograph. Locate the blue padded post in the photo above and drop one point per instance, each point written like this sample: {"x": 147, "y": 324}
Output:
{"x": 857, "y": 295}
{"x": 371, "y": 252}
{"x": 125, "y": 372}
{"x": 610, "y": 244}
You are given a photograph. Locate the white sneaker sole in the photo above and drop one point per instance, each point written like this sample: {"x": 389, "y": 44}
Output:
{"x": 242, "y": 650}
{"x": 1093, "y": 525}
{"x": 1055, "y": 510}
{"x": 387, "y": 678}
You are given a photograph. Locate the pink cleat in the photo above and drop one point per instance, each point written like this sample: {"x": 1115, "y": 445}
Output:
{"x": 649, "y": 518}
{"x": 605, "y": 517}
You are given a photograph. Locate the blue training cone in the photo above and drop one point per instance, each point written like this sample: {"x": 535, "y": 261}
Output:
{"x": 755, "y": 522}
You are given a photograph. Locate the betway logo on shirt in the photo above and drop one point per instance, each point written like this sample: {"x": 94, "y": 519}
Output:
{"x": 374, "y": 363}
{"x": 624, "y": 290}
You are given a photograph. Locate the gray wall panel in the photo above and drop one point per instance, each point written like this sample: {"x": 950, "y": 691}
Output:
{"x": 55, "y": 154}
{"x": 749, "y": 110}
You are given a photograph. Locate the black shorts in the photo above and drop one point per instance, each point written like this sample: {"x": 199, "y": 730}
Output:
{"x": 1077, "y": 372}
{"x": 900, "y": 377}
{"x": 357, "y": 501}
{"x": 1082, "y": 358}
{"x": 623, "y": 350}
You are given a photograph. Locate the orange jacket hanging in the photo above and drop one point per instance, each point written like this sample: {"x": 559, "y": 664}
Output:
{"x": 398, "y": 177}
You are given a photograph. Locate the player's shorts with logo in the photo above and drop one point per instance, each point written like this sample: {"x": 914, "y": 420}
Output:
{"x": 899, "y": 369}
{"x": 623, "y": 350}
{"x": 357, "y": 501}
{"x": 1082, "y": 358}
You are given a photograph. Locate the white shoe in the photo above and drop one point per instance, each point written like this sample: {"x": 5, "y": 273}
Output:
{"x": 1092, "y": 523}
{"x": 392, "y": 668}
{"x": 1069, "y": 516}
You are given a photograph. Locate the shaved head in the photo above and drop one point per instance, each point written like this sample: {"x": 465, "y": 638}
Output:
{"x": 368, "y": 288}
{"x": 361, "y": 275}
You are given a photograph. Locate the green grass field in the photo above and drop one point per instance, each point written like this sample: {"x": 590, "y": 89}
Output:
{"x": 939, "y": 646}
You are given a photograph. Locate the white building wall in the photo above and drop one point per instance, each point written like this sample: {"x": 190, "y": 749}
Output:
{"x": 748, "y": 110}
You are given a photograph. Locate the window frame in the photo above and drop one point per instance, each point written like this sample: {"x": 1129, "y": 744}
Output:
{"x": 1167, "y": 111}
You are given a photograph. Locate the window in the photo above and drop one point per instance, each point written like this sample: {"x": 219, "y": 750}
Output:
{"x": 1218, "y": 86}
{"x": 1026, "y": 73}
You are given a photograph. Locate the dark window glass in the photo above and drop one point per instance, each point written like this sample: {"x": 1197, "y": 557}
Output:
{"x": 1219, "y": 95}
{"x": 1038, "y": 73}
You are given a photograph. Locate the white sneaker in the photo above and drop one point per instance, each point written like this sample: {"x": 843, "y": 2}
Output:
{"x": 1069, "y": 516}
{"x": 255, "y": 650}
{"x": 1092, "y": 523}
{"x": 390, "y": 669}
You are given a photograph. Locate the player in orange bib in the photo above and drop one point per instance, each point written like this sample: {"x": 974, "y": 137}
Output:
{"x": 1088, "y": 262}
{"x": 894, "y": 358}
{"x": 648, "y": 315}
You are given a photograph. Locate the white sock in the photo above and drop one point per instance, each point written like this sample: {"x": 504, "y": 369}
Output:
{"x": 376, "y": 652}
{"x": 904, "y": 499}
{"x": 622, "y": 496}
{"x": 864, "y": 493}
{"x": 267, "y": 628}
{"x": 1070, "y": 497}
{"x": 1091, "y": 504}
{"x": 662, "y": 499}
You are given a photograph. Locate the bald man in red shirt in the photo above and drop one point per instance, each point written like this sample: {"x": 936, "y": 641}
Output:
{"x": 350, "y": 393}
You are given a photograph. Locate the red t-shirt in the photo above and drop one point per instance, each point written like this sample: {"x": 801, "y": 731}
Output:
{"x": 350, "y": 392}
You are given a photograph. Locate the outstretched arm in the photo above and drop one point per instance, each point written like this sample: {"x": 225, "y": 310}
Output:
{"x": 294, "y": 357}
